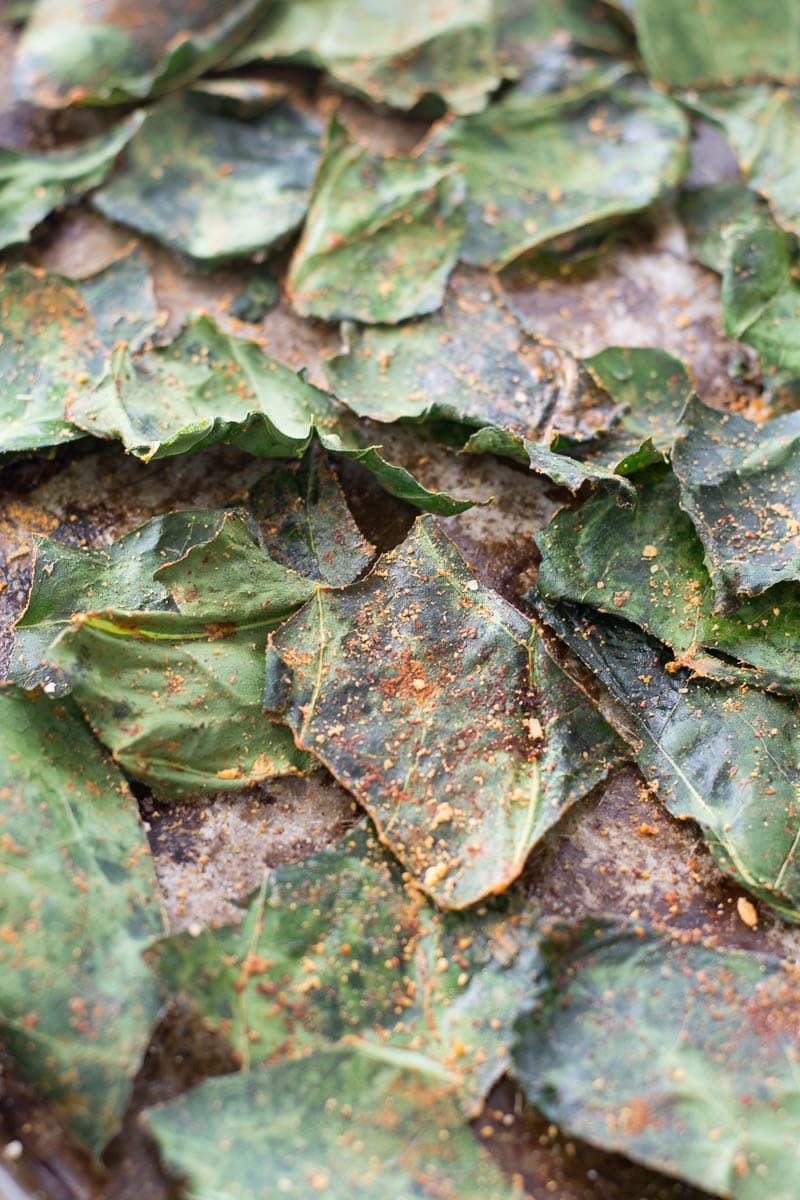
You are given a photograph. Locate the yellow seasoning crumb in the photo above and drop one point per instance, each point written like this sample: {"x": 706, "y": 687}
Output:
{"x": 747, "y": 912}
{"x": 650, "y": 551}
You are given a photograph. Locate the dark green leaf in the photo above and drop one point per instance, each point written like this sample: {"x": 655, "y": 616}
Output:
{"x": 351, "y": 1124}
{"x": 121, "y": 299}
{"x": 645, "y": 563}
{"x": 339, "y": 946}
{"x": 686, "y": 44}
{"x": 79, "y": 907}
{"x": 678, "y": 1056}
{"x": 67, "y": 580}
{"x": 472, "y": 364}
{"x": 740, "y": 484}
{"x": 212, "y": 186}
{"x": 727, "y": 757}
{"x": 107, "y": 51}
{"x": 305, "y": 523}
{"x": 427, "y": 697}
{"x": 540, "y": 165}
{"x": 394, "y": 55}
{"x": 176, "y": 696}
{"x": 533, "y": 35}
{"x": 32, "y": 185}
{"x": 381, "y": 237}
{"x": 207, "y": 388}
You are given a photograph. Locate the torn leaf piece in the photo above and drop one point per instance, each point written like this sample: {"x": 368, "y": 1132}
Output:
{"x": 740, "y": 484}
{"x": 625, "y": 1048}
{"x": 761, "y": 294}
{"x": 304, "y": 521}
{"x": 685, "y": 44}
{"x": 762, "y": 125}
{"x": 215, "y": 187}
{"x": 67, "y": 580}
{"x": 539, "y": 165}
{"x": 351, "y": 1123}
{"x": 80, "y": 905}
{"x": 176, "y": 696}
{"x": 338, "y": 945}
{"x": 381, "y": 237}
{"x": 107, "y": 51}
{"x": 58, "y": 338}
{"x": 394, "y": 56}
{"x": 414, "y": 688}
{"x": 122, "y": 301}
{"x": 206, "y": 388}
{"x": 474, "y": 365}
{"x": 32, "y": 185}
{"x": 645, "y": 562}
{"x": 727, "y": 757}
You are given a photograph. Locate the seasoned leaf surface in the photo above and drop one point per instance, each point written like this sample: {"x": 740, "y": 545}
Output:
{"x": 305, "y": 523}
{"x": 725, "y": 756}
{"x": 539, "y": 166}
{"x": 212, "y": 186}
{"x": 709, "y": 211}
{"x": 338, "y": 945}
{"x": 645, "y": 562}
{"x": 356, "y": 1122}
{"x": 67, "y": 580}
{"x": 414, "y": 688}
{"x": 176, "y": 696}
{"x": 681, "y": 1057}
{"x": 740, "y": 484}
{"x": 381, "y": 237}
{"x": 471, "y": 364}
{"x": 686, "y": 44}
{"x": 57, "y": 337}
{"x": 207, "y": 388}
{"x": 395, "y": 56}
{"x": 79, "y": 907}
{"x": 32, "y": 185}
{"x": 108, "y": 51}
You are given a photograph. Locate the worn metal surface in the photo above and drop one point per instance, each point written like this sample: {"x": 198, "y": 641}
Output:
{"x": 616, "y": 852}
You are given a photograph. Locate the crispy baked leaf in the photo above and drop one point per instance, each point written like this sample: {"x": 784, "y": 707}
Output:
{"x": 761, "y": 294}
{"x": 762, "y": 125}
{"x": 740, "y": 484}
{"x": 107, "y": 51}
{"x": 645, "y": 563}
{"x": 351, "y": 1123}
{"x": 426, "y": 695}
{"x": 539, "y": 165}
{"x": 652, "y": 388}
{"x": 79, "y": 907}
{"x": 305, "y": 523}
{"x": 176, "y": 696}
{"x": 121, "y": 299}
{"x": 727, "y": 757}
{"x": 32, "y": 185}
{"x": 395, "y": 56}
{"x": 678, "y": 1056}
{"x": 207, "y": 388}
{"x": 212, "y": 186}
{"x": 67, "y": 580}
{"x": 58, "y": 338}
{"x": 474, "y": 365}
{"x": 533, "y": 37}
{"x": 709, "y": 211}
{"x": 339, "y": 946}
{"x": 686, "y": 44}
{"x": 381, "y": 237}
